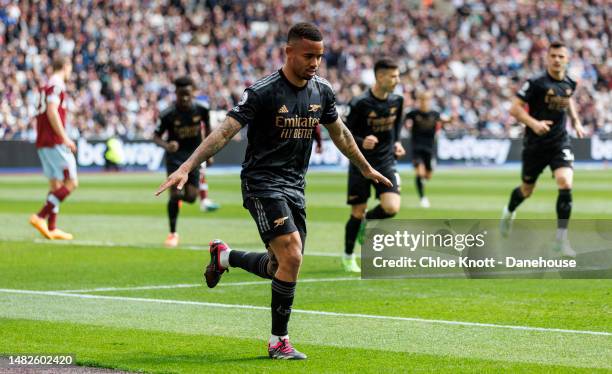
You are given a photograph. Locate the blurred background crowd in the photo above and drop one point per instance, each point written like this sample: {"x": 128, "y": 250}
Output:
{"x": 473, "y": 55}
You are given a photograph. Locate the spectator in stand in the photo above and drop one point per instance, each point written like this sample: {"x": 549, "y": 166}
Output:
{"x": 127, "y": 53}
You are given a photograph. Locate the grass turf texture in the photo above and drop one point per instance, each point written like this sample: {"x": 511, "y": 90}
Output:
{"x": 119, "y": 227}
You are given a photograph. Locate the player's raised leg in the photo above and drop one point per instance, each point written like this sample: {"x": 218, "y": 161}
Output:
{"x": 283, "y": 231}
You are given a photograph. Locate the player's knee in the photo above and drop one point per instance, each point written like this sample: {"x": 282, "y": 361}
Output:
{"x": 391, "y": 209}
{"x": 527, "y": 190}
{"x": 289, "y": 255}
{"x": 71, "y": 184}
{"x": 190, "y": 197}
{"x": 358, "y": 211}
{"x": 564, "y": 183}
{"x": 292, "y": 261}
{"x": 175, "y": 194}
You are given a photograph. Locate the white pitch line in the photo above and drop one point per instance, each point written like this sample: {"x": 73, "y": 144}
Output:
{"x": 104, "y": 243}
{"x": 135, "y": 288}
{"x": 194, "y": 285}
{"x": 302, "y": 311}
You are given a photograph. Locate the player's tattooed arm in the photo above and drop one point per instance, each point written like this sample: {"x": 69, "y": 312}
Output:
{"x": 343, "y": 139}
{"x": 573, "y": 113}
{"x": 212, "y": 144}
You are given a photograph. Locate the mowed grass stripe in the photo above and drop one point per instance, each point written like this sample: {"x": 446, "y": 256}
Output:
{"x": 164, "y": 352}
{"x": 545, "y": 347}
{"x": 575, "y": 304}
{"x": 81, "y": 295}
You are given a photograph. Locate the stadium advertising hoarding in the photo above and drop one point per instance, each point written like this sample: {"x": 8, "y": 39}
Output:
{"x": 145, "y": 154}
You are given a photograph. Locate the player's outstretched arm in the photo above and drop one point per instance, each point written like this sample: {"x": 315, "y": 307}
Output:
{"x": 209, "y": 147}
{"x": 343, "y": 139}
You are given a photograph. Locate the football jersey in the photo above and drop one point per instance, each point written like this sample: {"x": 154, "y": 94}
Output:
{"x": 184, "y": 127}
{"x": 53, "y": 92}
{"x": 369, "y": 115}
{"x": 548, "y": 99}
{"x": 424, "y": 126}
{"x": 282, "y": 121}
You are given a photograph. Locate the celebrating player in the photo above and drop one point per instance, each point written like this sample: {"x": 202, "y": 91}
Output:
{"x": 282, "y": 112}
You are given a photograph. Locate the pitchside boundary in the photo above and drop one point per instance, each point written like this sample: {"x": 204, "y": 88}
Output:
{"x": 55, "y": 294}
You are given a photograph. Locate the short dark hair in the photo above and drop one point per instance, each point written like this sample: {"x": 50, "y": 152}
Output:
{"x": 556, "y": 45}
{"x": 58, "y": 62}
{"x": 385, "y": 63}
{"x": 304, "y": 30}
{"x": 183, "y": 81}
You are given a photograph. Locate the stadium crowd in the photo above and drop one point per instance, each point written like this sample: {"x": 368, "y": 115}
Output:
{"x": 472, "y": 55}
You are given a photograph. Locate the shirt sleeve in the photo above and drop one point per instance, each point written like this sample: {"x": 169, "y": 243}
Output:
{"x": 527, "y": 90}
{"x": 352, "y": 121}
{"x": 206, "y": 119}
{"x": 410, "y": 115}
{"x": 160, "y": 126}
{"x": 53, "y": 97}
{"x": 247, "y": 108}
{"x": 399, "y": 119}
{"x": 329, "y": 113}
{"x": 317, "y": 136}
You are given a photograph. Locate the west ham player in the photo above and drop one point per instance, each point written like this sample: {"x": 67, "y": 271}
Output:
{"x": 375, "y": 120}
{"x": 55, "y": 149}
{"x": 282, "y": 112}
{"x": 186, "y": 123}
{"x": 424, "y": 124}
{"x": 546, "y": 142}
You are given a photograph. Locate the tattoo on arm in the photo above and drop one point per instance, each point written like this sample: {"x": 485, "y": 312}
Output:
{"x": 214, "y": 142}
{"x": 343, "y": 139}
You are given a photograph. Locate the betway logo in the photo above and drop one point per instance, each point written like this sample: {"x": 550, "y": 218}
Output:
{"x": 469, "y": 148}
{"x": 134, "y": 154}
{"x": 601, "y": 149}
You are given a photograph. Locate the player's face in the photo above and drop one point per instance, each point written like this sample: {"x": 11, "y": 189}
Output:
{"x": 304, "y": 57}
{"x": 184, "y": 96}
{"x": 557, "y": 59}
{"x": 425, "y": 101}
{"x": 388, "y": 79}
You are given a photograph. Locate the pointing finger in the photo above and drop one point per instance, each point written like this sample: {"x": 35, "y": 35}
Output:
{"x": 164, "y": 186}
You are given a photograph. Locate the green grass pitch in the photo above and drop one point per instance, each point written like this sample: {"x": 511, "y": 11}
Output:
{"x": 117, "y": 299}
